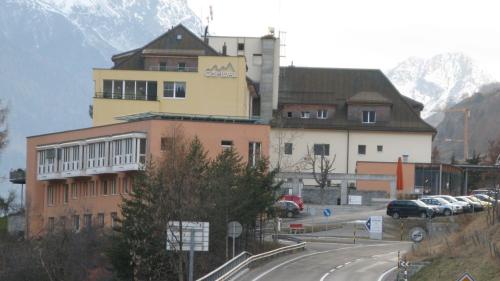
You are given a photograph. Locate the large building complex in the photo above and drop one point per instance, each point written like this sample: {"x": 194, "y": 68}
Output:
{"x": 229, "y": 92}
{"x": 348, "y": 114}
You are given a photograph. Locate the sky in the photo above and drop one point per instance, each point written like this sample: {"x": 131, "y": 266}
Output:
{"x": 364, "y": 33}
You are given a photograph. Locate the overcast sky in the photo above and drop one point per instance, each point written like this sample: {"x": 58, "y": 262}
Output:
{"x": 366, "y": 34}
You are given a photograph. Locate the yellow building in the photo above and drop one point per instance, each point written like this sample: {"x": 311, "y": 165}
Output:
{"x": 176, "y": 73}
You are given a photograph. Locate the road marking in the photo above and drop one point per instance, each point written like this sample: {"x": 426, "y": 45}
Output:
{"x": 332, "y": 270}
{"x": 347, "y": 263}
{"x": 324, "y": 276}
{"x": 383, "y": 255}
{"x": 339, "y": 266}
{"x": 297, "y": 258}
{"x": 381, "y": 278}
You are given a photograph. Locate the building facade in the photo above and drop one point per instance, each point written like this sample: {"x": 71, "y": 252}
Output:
{"x": 177, "y": 73}
{"x": 345, "y": 115}
{"x": 77, "y": 177}
{"x": 262, "y": 56}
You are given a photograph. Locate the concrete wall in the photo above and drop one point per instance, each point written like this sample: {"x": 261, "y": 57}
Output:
{"x": 227, "y": 96}
{"x": 313, "y": 195}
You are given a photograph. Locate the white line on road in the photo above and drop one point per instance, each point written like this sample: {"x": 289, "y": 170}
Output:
{"x": 339, "y": 266}
{"x": 381, "y": 278}
{"x": 324, "y": 276}
{"x": 332, "y": 270}
{"x": 297, "y": 258}
{"x": 347, "y": 263}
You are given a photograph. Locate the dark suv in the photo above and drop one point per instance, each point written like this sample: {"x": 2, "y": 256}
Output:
{"x": 409, "y": 208}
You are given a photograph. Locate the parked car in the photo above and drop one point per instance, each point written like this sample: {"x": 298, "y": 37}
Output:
{"x": 461, "y": 206}
{"x": 485, "y": 204}
{"x": 286, "y": 208}
{"x": 409, "y": 208}
{"x": 489, "y": 192}
{"x": 486, "y": 198}
{"x": 444, "y": 207}
{"x": 295, "y": 198}
{"x": 476, "y": 206}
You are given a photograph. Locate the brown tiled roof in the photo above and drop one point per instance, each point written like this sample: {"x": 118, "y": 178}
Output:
{"x": 368, "y": 98}
{"x": 338, "y": 86}
{"x": 168, "y": 41}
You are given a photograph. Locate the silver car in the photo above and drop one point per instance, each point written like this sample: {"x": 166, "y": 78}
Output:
{"x": 459, "y": 207}
{"x": 445, "y": 208}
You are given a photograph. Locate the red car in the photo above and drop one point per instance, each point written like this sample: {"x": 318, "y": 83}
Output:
{"x": 295, "y": 198}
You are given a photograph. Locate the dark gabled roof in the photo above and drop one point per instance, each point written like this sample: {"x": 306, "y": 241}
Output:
{"x": 336, "y": 86}
{"x": 168, "y": 42}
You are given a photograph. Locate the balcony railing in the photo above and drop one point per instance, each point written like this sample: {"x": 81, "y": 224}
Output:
{"x": 115, "y": 96}
{"x": 173, "y": 68}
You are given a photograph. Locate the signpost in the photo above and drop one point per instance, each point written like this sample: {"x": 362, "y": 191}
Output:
{"x": 417, "y": 234}
{"x": 194, "y": 238}
{"x": 374, "y": 227}
{"x": 234, "y": 230}
{"x": 327, "y": 212}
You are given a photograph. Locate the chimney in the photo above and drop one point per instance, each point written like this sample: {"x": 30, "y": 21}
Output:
{"x": 224, "y": 49}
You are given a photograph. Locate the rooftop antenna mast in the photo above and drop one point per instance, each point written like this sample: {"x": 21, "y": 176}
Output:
{"x": 210, "y": 18}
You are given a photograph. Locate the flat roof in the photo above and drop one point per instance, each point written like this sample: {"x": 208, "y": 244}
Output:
{"x": 192, "y": 117}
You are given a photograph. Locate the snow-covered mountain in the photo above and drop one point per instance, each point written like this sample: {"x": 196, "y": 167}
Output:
{"x": 48, "y": 49}
{"x": 438, "y": 82}
{"x": 111, "y": 25}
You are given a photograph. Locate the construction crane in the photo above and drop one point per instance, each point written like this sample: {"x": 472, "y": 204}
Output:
{"x": 466, "y": 113}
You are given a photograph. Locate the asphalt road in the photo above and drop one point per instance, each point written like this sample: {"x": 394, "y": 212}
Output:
{"x": 331, "y": 262}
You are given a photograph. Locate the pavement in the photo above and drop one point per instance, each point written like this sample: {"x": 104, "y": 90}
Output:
{"x": 332, "y": 261}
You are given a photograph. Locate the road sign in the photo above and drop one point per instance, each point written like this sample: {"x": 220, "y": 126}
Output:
{"x": 466, "y": 277}
{"x": 327, "y": 212}
{"x": 234, "y": 229}
{"x": 354, "y": 200}
{"x": 199, "y": 240}
{"x": 374, "y": 226}
{"x": 417, "y": 234}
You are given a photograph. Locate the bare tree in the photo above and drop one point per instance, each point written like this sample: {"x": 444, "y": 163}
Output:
{"x": 320, "y": 164}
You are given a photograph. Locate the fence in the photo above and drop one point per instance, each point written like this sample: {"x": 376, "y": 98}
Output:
{"x": 244, "y": 260}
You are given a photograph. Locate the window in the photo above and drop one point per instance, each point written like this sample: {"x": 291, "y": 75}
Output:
{"x": 142, "y": 151}
{"x": 166, "y": 143}
{"x": 176, "y": 90}
{"x": 65, "y": 193}
{"x": 92, "y": 189}
{"x": 50, "y": 195}
{"x": 125, "y": 185}
{"x": 163, "y": 66}
{"x": 254, "y": 150}
{"x": 62, "y": 220}
{"x": 241, "y": 46}
{"x": 107, "y": 89}
{"x": 76, "y": 222}
{"x": 100, "y": 219}
{"x": 257, "y": 59}
{"x": 51, "y": 224}
{"x": 226, "y": 144}
{"x": 87, "y": 220}
{"x": 84, "y": 189}
{"x": 289, "y": 114}
{"x": 322, "y": 149}
{"x": 362, "y": 149}
{"x": 113, "y": 186}
{"x": 129, "y": 90}
{"x": 380, "y": 148}
{"x": 288, "y": 148}
{"x": 117, "y": 89}
{"x": 405, "y": 158}
{"x": 305, "y": 114}
{"x": 181, "y": 66}
{"x": 74, "y": 191}
{"x": 322, "y": 114}
{"x": 104, "y": 187}
{"x": 114, "y": 216}
{"x": 369, "y": 117}
{"x": 179, "y": 36}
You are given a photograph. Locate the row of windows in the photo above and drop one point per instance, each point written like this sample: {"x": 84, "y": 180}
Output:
{"x": 368, "y": 117}
{"x": 88, "y": 221}
{"x": 320, "y": 114}
{"x": 87, "y": 189}
{"x": 142, "y": 90}
{"x": 254, "y": 148}
{"x": 324, "y": 149}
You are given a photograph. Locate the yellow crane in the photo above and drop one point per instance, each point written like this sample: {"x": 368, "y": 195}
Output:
{"x": 466, "y": 113}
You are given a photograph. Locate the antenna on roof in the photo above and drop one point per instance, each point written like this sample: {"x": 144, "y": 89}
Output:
{"x": 209, "y": 19}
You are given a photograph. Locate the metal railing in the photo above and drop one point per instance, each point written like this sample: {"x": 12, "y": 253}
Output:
{"x": 173, "y": 68}
{"x": 115, "y": 96}
{"x": 232, "y": 267}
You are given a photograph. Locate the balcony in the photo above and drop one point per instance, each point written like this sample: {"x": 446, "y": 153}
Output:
{"x": 126, "y": 152}
{"x": 110, "y": 95}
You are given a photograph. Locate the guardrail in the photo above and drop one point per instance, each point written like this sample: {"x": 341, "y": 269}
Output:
{"x": 233, "y": 266}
